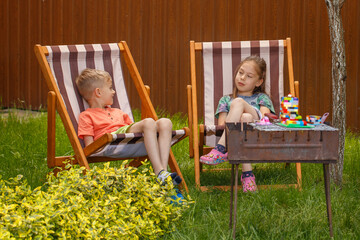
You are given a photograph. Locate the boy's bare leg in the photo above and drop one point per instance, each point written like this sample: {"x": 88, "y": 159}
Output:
{"x": 164, "y": 128}
{"x": 148, "y": 127}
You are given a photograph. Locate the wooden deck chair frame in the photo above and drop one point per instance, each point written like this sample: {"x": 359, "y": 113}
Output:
{"x": 56, "y": 103}
{"x": 196, "y": 138}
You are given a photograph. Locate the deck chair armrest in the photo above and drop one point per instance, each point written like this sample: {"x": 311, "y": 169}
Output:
{"x": 100, "y": 142}
{"x": 187, "y": 133}
{"x": 208, "y": 130}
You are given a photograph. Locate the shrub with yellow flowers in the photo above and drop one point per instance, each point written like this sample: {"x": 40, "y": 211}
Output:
{"x": 105, "y": 203}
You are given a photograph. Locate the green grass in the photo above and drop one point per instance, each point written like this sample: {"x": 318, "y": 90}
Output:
{"x": 268, "y": 214}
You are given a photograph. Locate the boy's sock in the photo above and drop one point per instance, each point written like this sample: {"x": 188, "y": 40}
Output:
{"x": 220, "y": 148}
{"x": 247, "y": 174}
{"x": 163, "y": 175}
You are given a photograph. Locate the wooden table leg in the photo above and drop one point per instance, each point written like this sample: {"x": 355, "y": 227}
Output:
{"x": 236, "y": 194}
{"x": 327, "y": 195}
{"x": 231, "y": 195}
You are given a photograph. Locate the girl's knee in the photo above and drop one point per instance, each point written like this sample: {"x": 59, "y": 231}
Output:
{"x": 237, "y": 102}
{"x": 246, "y": 117}
{"x": 163, "y": 123}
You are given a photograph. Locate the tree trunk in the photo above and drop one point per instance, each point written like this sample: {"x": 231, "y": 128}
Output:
{"x": 338, "y": 82}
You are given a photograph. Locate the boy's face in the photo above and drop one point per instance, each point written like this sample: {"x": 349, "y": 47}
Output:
{"x": 107, "y": 93}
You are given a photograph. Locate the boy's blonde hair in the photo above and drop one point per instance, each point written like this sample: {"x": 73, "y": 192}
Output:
{"x": 89, "y": 79}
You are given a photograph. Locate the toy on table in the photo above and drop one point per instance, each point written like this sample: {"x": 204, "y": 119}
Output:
{"x": 316, "y": 120}
{"x": 264, "y": 121}
{"x": 323, "y": 118}
{"x": 289, "y": 113}
{"x": 313, "y": 119}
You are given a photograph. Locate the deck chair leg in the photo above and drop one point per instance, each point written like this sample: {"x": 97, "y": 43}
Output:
{"x": 200, "y": 148}
{"x": 55, "y": 171}
{"x": 137, "y": 162}
{"x": 190, "y": 122}
{"x": 197, "y": 166}
{"x": 175, "y": 168}
{"x": 51, "y": 129}
{"x": 298, "y": 173}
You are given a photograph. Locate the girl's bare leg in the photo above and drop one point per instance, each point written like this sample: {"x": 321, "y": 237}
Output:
{"x": 240, "y": 110}
{"x": 164, "y": 128}
{"x": 237, "y": 109}
{"x": 246, "y": 117}
{"x": 148, "y": 127}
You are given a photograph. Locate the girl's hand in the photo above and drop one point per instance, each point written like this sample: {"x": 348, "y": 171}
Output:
{"x": 271, "y": 116}
{"x": 264, "y": 110}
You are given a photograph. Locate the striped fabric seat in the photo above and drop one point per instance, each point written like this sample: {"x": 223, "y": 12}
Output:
{"x": 129, "y": 145}
{"x": 67, "y": 62}
{"x": 220, "y": 61}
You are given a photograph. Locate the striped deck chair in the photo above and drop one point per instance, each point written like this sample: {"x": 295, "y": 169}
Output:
{"x": 219, "y": 62}
{"x": 60, "y": 66}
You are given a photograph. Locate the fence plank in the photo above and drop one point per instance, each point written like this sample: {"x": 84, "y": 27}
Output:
{"x": 158, "y": 33}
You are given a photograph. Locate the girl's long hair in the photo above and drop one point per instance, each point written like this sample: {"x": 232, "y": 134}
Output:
{"x": 260, "y": 69}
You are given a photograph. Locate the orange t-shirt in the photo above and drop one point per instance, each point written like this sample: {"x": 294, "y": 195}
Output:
{"x": 97, "y": 121}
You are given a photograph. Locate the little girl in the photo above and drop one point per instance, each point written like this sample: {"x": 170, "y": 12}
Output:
{"x": 247, "y": 103}
{"x": 95, "y": 86}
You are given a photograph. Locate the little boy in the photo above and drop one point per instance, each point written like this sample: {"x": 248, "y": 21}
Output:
{"x": 95, "y": 86}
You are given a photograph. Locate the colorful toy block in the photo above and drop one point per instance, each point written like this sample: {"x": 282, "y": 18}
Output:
{"x": 313, "y": 119}
{"x": 289, "y": 112}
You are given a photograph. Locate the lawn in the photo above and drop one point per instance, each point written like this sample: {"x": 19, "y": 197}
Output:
{"x": 268, "y": 214}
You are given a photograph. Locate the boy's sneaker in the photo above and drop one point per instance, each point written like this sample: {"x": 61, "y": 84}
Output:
{"x": 176, "y": 179}
{"x": 163, "y": 175}
{"x": 248, "y": 184}
{"x": 214, "y": 157}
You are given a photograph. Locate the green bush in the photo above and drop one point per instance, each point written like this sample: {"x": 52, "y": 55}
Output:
{"x": 105, "y": 203}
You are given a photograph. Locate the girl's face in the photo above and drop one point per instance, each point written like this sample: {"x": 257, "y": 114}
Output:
{"x": 247, "y": 78}
{"x": 107, "y": 94}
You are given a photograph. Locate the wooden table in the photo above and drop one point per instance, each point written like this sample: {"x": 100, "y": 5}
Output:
{"x": 251, "y": 143}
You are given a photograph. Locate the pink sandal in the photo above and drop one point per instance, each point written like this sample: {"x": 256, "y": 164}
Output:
{"x": 213, "y": 158}
{"x": 248, "y": 184}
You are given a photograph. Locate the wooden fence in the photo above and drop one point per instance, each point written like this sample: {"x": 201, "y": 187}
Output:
{"x": 158, "y": 33}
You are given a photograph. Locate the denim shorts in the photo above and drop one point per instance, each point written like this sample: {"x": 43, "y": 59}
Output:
{"x": 258, "y": 112}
